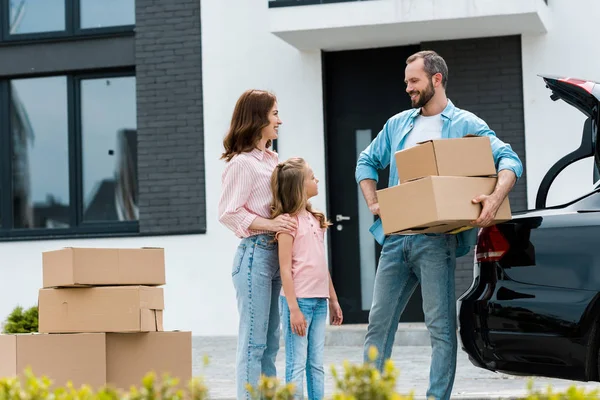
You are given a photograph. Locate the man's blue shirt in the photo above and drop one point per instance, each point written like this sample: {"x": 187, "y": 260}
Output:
{"x": 456, "y": 123}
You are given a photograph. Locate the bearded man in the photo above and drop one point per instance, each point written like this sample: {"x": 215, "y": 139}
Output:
{"x": 428, "y": 259}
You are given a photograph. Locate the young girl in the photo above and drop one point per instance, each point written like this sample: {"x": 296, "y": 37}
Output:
{"x": 305, "y": 277}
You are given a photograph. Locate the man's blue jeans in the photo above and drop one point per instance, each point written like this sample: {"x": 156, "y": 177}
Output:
{"x": 405, "y": 261}
{"x": 257, "y": 285}
{"x": 304, "y": 354}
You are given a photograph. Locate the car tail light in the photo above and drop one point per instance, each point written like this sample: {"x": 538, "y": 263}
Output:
{"x": 491, "y": 245}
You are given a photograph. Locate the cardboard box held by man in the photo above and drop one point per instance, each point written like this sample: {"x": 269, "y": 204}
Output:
{"x": 438, "y": 180}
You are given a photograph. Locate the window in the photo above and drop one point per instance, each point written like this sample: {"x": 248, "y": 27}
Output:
{"x": 35, "y": 19}
{"x": 68, "y": 140}
{"x": 106, "y": 13}
{"x": 39, "y": 127}
{"x": 3, "y": 146}
{"x": 71, "y": 162}
{"x": 109, "y": 149}
{"x": 34, "y": 16}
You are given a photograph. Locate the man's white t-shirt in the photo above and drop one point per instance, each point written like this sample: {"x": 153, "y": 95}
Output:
{"x": 426, "y": 128}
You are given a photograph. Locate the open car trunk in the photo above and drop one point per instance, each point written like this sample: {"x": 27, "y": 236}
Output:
{"x": 585, "y": 96}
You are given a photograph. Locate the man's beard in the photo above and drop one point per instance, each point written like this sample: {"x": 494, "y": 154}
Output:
{"x": 424, "y": 96}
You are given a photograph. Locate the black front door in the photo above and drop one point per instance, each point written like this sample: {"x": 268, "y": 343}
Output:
{"x": 363, "y": 88}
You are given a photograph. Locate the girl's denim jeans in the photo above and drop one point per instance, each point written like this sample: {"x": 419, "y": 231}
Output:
{"x": 305, "y": 353}
{"x": 257, "y": 284}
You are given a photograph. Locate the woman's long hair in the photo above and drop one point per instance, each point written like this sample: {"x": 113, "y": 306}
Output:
{"x": 289, "y": 196}
{"x": 250, "y": 116}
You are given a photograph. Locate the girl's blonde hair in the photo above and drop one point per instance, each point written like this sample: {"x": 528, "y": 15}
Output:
{"x": 289, "y": 196}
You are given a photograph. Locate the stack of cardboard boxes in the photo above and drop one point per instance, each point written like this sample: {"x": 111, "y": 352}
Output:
{"x": 100, "y": 321}
{"x": 438, "y": 180}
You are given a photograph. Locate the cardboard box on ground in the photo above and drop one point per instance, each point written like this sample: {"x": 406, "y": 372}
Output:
{"x": 438, "y": 180}
{"x": 72, "y": 267}
{"x": 97, "y": 359}
{"x": 100, "y": 322}
{"x": 101, "y": 309}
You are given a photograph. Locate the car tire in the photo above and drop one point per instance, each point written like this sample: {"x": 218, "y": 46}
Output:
{"x": 592, "y": 365}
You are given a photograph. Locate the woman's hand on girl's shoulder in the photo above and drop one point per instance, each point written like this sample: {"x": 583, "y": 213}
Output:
{"x": 284, "y": 223}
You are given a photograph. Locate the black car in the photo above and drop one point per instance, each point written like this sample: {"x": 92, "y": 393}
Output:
{"x": 534, "y": 305}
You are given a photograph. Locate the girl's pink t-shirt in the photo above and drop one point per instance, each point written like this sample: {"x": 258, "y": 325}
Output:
{"x": 309, "y": 266}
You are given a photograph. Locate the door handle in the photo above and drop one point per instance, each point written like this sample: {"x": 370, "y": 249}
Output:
{"x": 339, "y": 218}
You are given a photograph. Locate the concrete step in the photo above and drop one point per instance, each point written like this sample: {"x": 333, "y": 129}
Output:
{"x": 408, "y": 334}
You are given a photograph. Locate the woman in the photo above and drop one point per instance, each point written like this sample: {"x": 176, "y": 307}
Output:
{"x": 245, "y": 208}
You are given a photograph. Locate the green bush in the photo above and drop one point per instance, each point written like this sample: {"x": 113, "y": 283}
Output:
{"x": 35, "y": 388}
{"x": 357, "y": 382}
{"x": 270, "y": 388}
{"x": 22, "y": 322}
{"x": 364, "y": 381}
{"x": 572, "y": 393}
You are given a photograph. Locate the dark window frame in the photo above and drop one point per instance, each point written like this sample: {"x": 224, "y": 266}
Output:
{"x": 78, "y": 150}
{"x": 77, "y": 226}
{"x": 72, "y": 30}
{"x": 294, "y": 3}
{"x": 5, "y": 151}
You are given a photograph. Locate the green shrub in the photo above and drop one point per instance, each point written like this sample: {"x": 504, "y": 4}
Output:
{"x": 22, "y": 322}
{"x": 364, "y": 381}
{"x": 572, "y": 393}
{"x": 35, "y": 388}
{"x": 270, "y": 388}
{"x": 357, "y": 382}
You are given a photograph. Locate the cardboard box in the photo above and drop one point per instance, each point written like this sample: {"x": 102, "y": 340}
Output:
{"x": 94, "y": 267}
{"x": 436, "y": 204}
{"x": 101, "y": 309}
{"x": 98, "y": 359}
{"x": 468, "y": 156}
